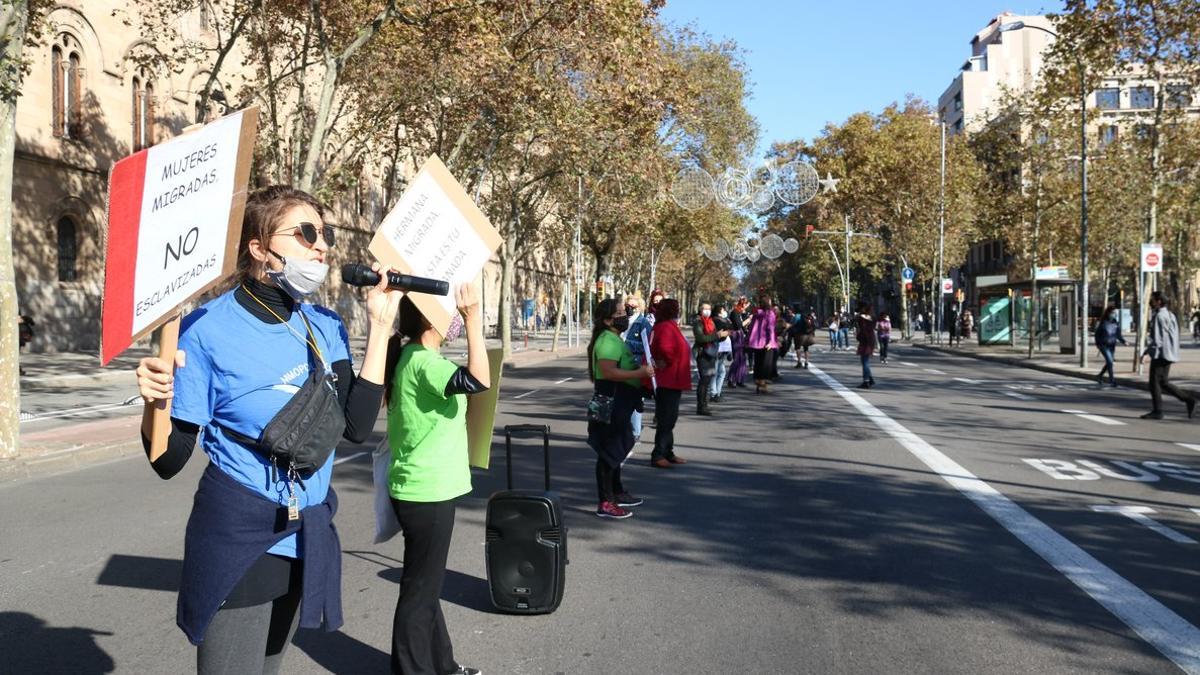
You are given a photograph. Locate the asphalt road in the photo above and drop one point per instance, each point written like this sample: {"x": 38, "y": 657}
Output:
{"x": 945, "y": 521}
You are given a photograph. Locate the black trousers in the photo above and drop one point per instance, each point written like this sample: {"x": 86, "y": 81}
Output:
{"x": 420, "y": 641}
{"x": 608, "y": 481}
{"x": 706, "y": 369}
{"x": 666, "y": 403}
{"x": 1160, "y": 370}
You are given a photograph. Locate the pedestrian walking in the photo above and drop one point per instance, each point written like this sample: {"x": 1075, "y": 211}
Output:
{"x": 883, "y": 333}
{"x": 673, "y": 372}
{"x": 248, "y": 576}
{"x": 806, "y": 335}
{"x": 426, "y": 397}
{"x": 615, "y": 395}
{"x": 953, "y": 325}
{"x": 783, "y": 333}
{"x": 739, "y": 368}
{"x": 833, "y": 332}
{"x": 1162, "y": 349}
{"x": 844, "y": 322}
{"x": 724, "y": 354}
{"x": 864, "y": 333}
{"x": 705, "y": 339}
{"x": 762, "y": 343}
{"x": 1108, "y": 334}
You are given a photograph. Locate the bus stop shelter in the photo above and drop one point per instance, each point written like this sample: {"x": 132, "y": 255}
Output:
{"x": 1004, "y": 312}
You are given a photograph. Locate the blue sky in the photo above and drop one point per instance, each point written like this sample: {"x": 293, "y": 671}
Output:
{"x": 817, "y": 62}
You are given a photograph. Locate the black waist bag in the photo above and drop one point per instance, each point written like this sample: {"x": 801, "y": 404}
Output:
{"x": 306, "y": 429}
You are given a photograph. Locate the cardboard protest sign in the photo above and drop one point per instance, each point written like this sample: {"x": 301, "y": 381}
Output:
{"x": 436, "y": 231}
{"x": 481, "y": 415}
{"x": 174, "y": 223}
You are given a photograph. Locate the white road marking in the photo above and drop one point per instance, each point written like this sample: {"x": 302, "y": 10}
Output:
{"x": 1189, "y": 446}
{"x": 934, "y": 371}
{"x": 909, "y": 364}
{"x": 1138, "y": 515}
{"x": 354, "y": 456}
{"x": 1165, "y": 630}
{"x": 534, "y": 391}
{"x": 968, "y": 380}
{"x": 1021, "y": 397}
{"x": 565, "y": 379}
{"x": 1095, "y": 418}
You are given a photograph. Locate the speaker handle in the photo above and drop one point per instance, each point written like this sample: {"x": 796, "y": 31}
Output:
{"x": 509, "y": 430}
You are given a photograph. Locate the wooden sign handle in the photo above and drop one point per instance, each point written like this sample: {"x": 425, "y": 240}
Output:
{"x": 156, "y": 417}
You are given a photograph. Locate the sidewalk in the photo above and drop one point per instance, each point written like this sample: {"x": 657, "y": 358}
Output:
{"x": 44, "y": 451}
{"x": 62, "y": 370}
{"x": 1185, "y": 373}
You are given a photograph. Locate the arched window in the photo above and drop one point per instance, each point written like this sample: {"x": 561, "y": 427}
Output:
{"x": 68, "y": 249}
{"x": 143, "y": 112}
{"x": 67, "y": 73}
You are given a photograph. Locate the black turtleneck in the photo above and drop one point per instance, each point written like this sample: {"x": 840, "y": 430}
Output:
{"x": 360, "y": 399}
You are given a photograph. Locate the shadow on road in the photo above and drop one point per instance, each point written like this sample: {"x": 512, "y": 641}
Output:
{"x": 30, "y": 646}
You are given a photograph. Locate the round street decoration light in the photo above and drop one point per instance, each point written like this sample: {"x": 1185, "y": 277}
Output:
{"x": 772, "y": 246}
{"x": 796, "y": 183}
{"x": 692, "y": 188}
{"x": 763, "y": 200}
{"x": 791, "y": 245}
{"x": 734, "y": 189}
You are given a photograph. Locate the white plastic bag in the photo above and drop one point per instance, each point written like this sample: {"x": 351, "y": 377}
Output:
{"x": 386, "y": 525}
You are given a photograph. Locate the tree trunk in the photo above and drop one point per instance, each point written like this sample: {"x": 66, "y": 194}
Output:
{"x": 320, "y": 125}
{"x": 14, "y": 20}
{"x": 507, "y": 266}
{"x": 562, "y": 311}
{"x": 905, "y": 333}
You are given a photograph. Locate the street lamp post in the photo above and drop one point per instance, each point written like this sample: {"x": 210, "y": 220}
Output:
{"x": 1083, "y": 185}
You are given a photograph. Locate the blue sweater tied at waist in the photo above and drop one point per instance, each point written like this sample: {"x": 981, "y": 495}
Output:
{"x": 230, "y": 528}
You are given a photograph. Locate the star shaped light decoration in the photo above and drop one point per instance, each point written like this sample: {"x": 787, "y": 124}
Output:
{"x": 829, "y": 182}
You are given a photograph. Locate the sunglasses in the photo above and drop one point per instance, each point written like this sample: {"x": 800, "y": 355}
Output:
{"x": 309, "y": 232}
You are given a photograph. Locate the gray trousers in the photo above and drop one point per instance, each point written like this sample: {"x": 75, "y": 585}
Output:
{"x": 245, "y": 640}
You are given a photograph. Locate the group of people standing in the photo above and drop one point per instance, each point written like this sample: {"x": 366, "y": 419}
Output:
{"x": 261, "y": 553}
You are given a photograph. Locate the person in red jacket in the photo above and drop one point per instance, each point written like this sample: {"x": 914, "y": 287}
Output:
{"x": 673, "y": 374}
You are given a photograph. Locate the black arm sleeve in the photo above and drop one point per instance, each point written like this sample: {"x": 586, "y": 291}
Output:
{"x": 180, "y": 444}
{"x": 360, "y": 402}
{"x": 463, "y": 382}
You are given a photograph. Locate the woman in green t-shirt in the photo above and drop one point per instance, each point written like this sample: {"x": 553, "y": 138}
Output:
{"x": 426, "y": 410}
{"x": 614, "y": 371}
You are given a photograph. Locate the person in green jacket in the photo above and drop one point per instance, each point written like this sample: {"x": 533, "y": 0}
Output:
{"x": 426, "y": 396}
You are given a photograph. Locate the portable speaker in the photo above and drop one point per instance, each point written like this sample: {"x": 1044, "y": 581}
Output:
{"x": 526, "y": 541}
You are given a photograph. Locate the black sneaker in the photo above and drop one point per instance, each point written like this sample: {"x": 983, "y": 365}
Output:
{"x": 1153, "y": 415}
{"x": 626, "y": 499}
{"x": 463, "y": 670}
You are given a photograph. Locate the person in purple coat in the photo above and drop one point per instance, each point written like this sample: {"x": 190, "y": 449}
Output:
{"x": 762, "y": 343}
{"x": 738, "y": 367}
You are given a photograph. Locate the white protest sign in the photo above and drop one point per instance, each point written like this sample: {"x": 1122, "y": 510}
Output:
{"x": 174, "y": 221}
{"x": 436, "y": 231}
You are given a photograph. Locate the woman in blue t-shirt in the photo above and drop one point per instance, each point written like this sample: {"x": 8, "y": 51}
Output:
{"x": 242, "y": 356}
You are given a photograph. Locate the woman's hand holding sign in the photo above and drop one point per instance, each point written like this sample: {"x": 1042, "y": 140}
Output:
{"x": 156, "y": 377}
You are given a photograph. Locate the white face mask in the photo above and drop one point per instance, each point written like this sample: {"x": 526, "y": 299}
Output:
{"x": 300, "y": 278}
{"x": 706, "y": 313}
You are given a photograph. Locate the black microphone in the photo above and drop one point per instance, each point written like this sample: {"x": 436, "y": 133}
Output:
{"x": 358, "y": 274}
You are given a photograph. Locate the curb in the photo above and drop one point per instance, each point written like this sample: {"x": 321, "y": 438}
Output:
{"x": 62, "y": 461}
{"x": 52, "y": 381}
{"x": 1134, "y": 383}
{"x": 543, "y": 357}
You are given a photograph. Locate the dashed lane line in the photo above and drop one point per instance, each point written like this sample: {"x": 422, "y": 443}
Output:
{"x": 565, "y": 379}
{"x": 1162, "y": 628}
{"x": 1190, "y": 446}
{"x": 534, "y": 391}
{"x": 935, "y": 371}
{"x": 968, "y": 380}
{"x": 1099, "y": 419}
{"x": 1019, "y": 397}
{"x": 909, "y": 364}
